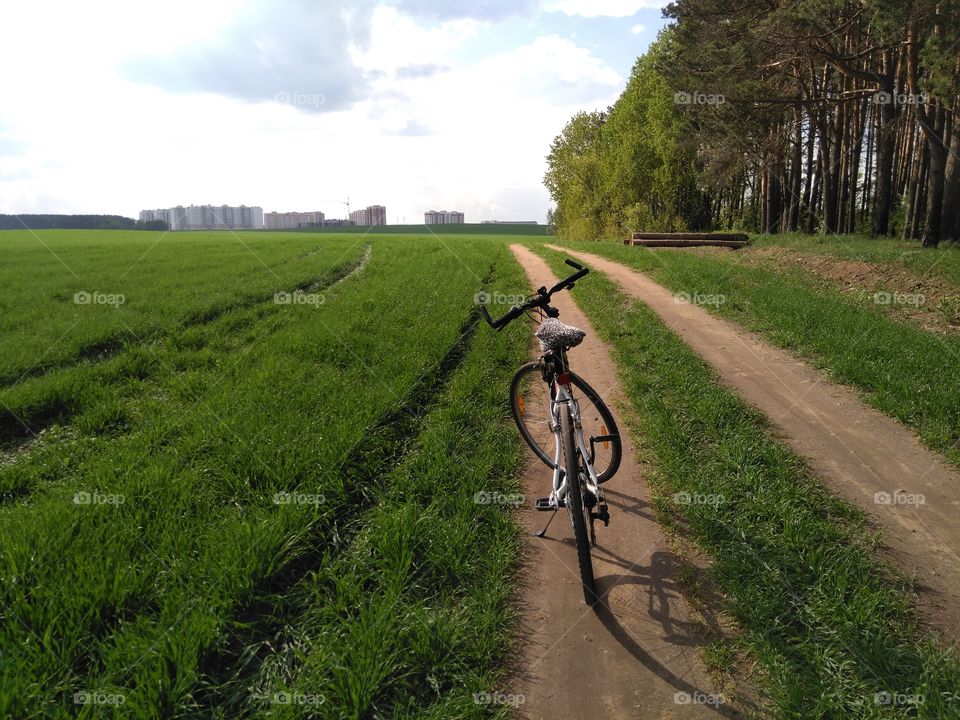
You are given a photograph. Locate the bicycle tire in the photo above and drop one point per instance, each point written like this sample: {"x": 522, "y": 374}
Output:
{"x": 601, "y": 417}
{"x": 574, "y": 503}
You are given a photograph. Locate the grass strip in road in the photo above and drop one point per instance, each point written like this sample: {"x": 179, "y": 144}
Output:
{"x": 901, "y": 369}
{"x": 831, "y": 627}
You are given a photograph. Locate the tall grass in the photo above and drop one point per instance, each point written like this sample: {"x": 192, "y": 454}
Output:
{"x": 145, "y": 525}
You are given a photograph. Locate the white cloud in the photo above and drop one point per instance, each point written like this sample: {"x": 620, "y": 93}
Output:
{"x": 431, "y": 129}
{"x": 602, "y": 8}
{"x": 262, "y": 53}
{"x": 398, "y": 41}
{"x": 638, "y": 28}
{"x": 477, "y": 9}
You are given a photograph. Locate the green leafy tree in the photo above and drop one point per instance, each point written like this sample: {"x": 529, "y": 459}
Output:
{"x": 574, "y": 177}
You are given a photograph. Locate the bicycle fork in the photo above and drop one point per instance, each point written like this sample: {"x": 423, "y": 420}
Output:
{"x": 594, "y": 498}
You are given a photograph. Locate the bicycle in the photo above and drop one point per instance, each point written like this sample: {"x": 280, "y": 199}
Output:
{"x": 558, "y": 413}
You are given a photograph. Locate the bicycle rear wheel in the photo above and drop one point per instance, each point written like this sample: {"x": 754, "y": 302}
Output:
{"x": 575, "y": 506}
{"x": 530, "y": 405}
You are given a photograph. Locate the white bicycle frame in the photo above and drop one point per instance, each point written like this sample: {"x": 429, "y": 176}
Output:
{"x": 560, "y": 489}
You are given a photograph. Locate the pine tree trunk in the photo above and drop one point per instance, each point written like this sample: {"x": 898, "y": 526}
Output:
{"x": 915, "y": 209}
{"x": 950, "y": 218}
{"x": 886, "y": 142}
{"x": 793, "y": 218}
{"x": 935, "y": 180}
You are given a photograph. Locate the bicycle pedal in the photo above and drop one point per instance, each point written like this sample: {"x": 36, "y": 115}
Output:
{"x": 544, "y": 505}
{"x": 603, "y": 515}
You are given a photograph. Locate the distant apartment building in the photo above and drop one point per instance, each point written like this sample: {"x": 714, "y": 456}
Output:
{"x": 373, "y": 215}
{"x": 289, "y": 220}
{"x": 208, "y": 217}
{"x": 443, "y": 217}
{"x": 153, "y": 215}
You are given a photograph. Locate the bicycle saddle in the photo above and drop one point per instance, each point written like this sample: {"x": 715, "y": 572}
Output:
{"x": 554, "y": 335}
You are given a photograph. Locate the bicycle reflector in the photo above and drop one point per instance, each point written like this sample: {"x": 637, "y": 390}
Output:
{"x": 603, "y": 431}
{"x": 521, "y": 404}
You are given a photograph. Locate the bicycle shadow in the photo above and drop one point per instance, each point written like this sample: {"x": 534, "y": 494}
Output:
{"x": 623, "y": 636}
{"x": 662, "y": 598}
{"x": 662, "y": 594}
{"x": 661, "y": 590}
{"x": 628, "y": 503}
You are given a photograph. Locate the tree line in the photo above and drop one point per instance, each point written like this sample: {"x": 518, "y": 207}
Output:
{"x": 830, "y": 116}
{"x": 78, "y": 222}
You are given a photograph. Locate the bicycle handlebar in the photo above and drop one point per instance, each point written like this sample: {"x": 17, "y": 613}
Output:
{"x": 540, "y": 300}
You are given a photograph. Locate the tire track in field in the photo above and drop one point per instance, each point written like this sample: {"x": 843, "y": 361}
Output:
{"x": 105, "y": 348}
{"x": 109, "y": 620}
{"x": 16, "y": 427}
{"x": 262, "y": 620}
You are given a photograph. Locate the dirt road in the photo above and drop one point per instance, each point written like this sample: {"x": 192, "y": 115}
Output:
{"x": 636, "y": 656}
{"x": 860, "y": 453}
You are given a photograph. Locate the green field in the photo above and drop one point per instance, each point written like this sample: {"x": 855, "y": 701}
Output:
{"x": 233, "y": 495}
{"x": 238, "y": 477}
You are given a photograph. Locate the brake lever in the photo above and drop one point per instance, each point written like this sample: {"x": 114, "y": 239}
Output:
{"x": 486, "y": 315}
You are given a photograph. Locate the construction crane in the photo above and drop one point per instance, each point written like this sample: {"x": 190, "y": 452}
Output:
{"x": 340, "y": 202}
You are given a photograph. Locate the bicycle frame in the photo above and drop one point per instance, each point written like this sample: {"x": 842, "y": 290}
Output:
{"x": 560, "y": 395}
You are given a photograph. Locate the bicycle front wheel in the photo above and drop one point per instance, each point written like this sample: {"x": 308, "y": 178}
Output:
{"x": 530, "y": 405}
{"x": 575, "y": 506}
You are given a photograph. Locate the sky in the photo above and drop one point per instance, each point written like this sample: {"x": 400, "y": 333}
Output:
{"x": 112, "y": 106}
